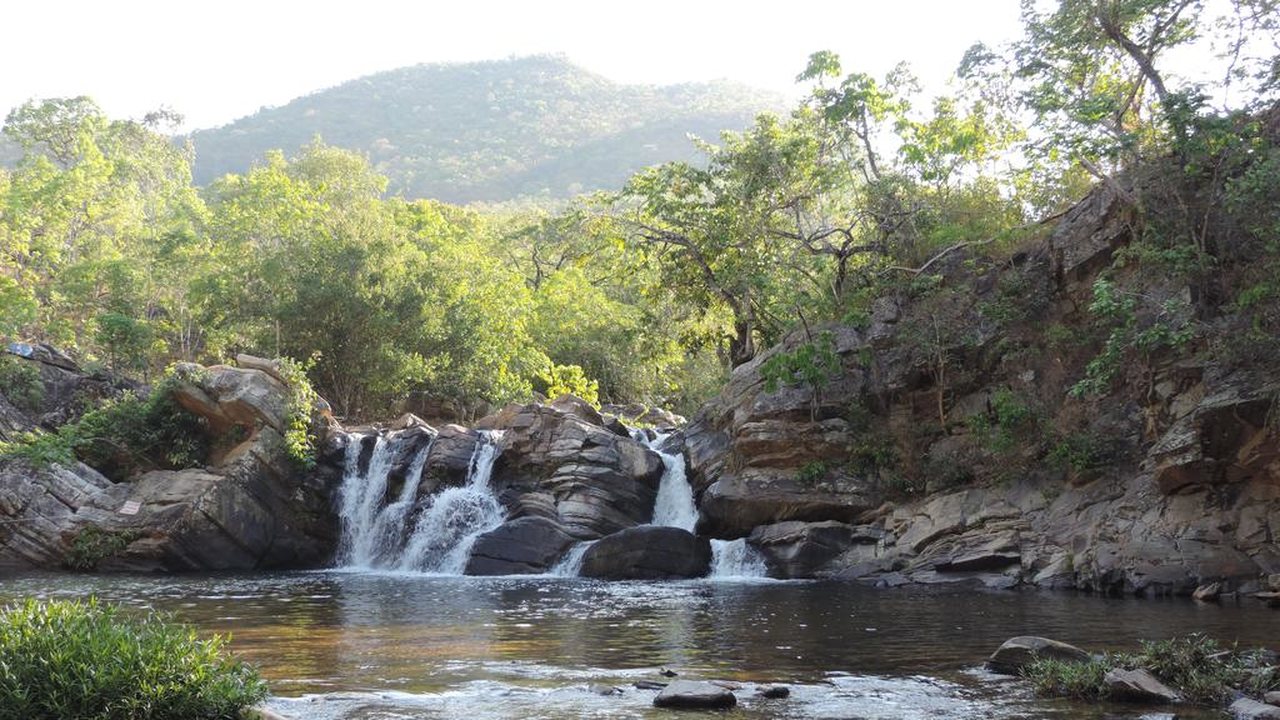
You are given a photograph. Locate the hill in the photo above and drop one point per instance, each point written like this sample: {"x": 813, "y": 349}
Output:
{"x": 491, "y": 131}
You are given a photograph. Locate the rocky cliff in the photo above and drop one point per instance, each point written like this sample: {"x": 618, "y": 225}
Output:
{"x": 955, "y": 441}
{"x": 249, "y": 507}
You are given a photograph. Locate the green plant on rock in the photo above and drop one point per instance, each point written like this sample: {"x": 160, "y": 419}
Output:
{"x": 570, "y": 380}
{"x": 300, "y": 408}
{"x": 813, "y": 472}
{"x": 75, "y": 660}
{"x": 92, "y": 545}
{"x": 1010, "y": 418}
{"x": 1065, "y": 678}
{"x": 814, "y": 364}
{"x": 20, "y": 383}
{"x": 1168, "y": 329}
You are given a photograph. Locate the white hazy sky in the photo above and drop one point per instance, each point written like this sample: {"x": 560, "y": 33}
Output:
{"x": 217, "y": 61}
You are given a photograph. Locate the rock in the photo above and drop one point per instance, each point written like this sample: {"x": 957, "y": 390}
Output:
{"x": 1138, "y": 686}
{"x": 600, "y": 482}
{"x": 648, "y": 552}
{"x": 648, "y": 685}
{"x": 604, "y": 690}
{"x": 1018, "y": 652}
{"x": 667, "y": 672}
{"x": 579, "y": 408}
{"x": 1249, "y": 709}
{"x": 1272, "y": 599}
{"x": 252, "y": 507}
{"x": 525, "y": 546}
{"x": 1208, "y": 592}
{"x": 691, "y": 695}
{"x": 798, "y": 549}
{"x": 774, "y": 692}
{"x": 1272, "y": 698}
{"x": 260, "y": 713}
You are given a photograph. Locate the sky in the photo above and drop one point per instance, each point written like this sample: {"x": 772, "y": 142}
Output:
{"x": 218, "y": 61}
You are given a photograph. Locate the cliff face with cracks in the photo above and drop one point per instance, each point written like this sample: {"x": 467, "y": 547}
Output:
{"x": 948, "y": 446}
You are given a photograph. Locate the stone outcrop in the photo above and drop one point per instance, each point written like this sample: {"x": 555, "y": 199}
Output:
{"x": 1138, "y": 686}
{"x": 1016, "y": 653}
{"x": 251, "y": 507}
{"x": 648, "y": 553}
{"x": 524, "y": 546}
{"x": 561, "y": 456}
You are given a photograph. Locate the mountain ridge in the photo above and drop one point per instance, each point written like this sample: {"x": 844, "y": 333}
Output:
{"x": 536, "y": 126}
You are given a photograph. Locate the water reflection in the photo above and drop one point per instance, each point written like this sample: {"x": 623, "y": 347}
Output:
{"x": 507, "y": 643}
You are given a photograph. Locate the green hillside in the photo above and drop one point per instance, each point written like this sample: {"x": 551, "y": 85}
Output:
{"x": 491, "y": 131}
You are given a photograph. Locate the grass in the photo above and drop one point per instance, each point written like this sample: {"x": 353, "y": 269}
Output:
{"x": 73, "y": 660}
{"x": 1198, "y": 667}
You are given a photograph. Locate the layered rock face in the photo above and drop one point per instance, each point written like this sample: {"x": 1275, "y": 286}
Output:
{"x": 250, "y": 508}
{"x": 947, "y": 447}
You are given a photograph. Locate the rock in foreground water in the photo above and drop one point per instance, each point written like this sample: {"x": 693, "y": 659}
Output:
{"x": 691, "y": 695}
{"x": 1016, "y": 653}
{"x": 648, "y": 552}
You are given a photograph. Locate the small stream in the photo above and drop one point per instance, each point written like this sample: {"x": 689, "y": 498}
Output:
{"x": 381, "y": 645}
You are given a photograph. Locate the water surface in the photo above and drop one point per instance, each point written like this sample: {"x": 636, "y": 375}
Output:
{"x": 407, "y": 645}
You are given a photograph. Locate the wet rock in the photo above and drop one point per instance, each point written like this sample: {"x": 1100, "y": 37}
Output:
{"x": 774, "y": 692}
{"x": 798, "y": 549}
{"x": 1250, "y": 709}
{"x": 648, "y": 553}
{"x": 649, "y": 685}
{"x": 1272, "y": 599}
{"x": 260, "y": 713}
{"x": 1138, "y": 686}
{"x": 604, "y": 690}
{"x": 1018, "y": 652}
{"x": 1272, "y": 698}
{"x": 525, "y": 546}
{"x": 1209, "y": 592}
{"x": 691, "y": 695}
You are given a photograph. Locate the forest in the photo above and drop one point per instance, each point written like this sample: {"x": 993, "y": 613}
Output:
{"x": 652, "y": 292}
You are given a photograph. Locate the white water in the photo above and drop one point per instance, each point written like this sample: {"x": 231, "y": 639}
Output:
{"x": 442, "y": 538}
{"x": 371, "y": 531}
{"x": 571, "y": 563}
{"x": 675, "y": 507}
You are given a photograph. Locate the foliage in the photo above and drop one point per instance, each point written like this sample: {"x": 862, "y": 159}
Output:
{"x": 1168, "y": 327}
{"x": 1198, "y": 667}
{"x": 91, "y": 545}
{"x": 300, "y": 410}
{"x": 813, "y": 472}
{"x": 1009, "y": 418}
{"x": 123, "y": 436}
{"x": 570, "y": 380}
{"x": 812, "y": 364}
{"x": 535, "y": 127}
{"x": 77, "y": 660}
{"x": 20, "y": 383}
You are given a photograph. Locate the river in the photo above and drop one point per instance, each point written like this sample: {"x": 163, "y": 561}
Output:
{"x": 377, "y": 646}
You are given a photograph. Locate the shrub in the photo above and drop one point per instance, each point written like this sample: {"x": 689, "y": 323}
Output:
{"x": 92, "y": 545}
{"x": 74, "y": 660}
{"x": 20, "y": 383}
{"x": 299, "y": 440}
{"x": 123, "y": 435}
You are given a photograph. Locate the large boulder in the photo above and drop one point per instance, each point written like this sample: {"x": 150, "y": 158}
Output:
{"x": 797, "y": 549}
{"x": 695, "y": 695}
{"x": 600, "y": 482}
{"x": 648, "y": 552}
{"x": 524, "y": 546}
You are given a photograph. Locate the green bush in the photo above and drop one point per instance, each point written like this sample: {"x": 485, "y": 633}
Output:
{"x": 124, "y": 435}
{"x": 299, "y": 440}
{"x": 92, "y": 545}
{"x": 71, "y": 660}
{"x": 20, "y": 383}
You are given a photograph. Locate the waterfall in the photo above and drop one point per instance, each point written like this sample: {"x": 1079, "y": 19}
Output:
{"x": 571, "y": 563}
{"x": 674, "y": 505}
{"x": 736, "y": 559}
{"x": 370, "y": 530}
{"x": 442, "y": 538}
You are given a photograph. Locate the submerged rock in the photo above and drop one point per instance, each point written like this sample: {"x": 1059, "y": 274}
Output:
{"x": 692, "y": 695}
{"x": 648, "y": 552}
{"x": 1018, "y": 652}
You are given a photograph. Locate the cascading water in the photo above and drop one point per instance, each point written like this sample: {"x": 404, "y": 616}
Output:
{"x": 370, "y": 530}
{"x": 675, "y": 507}
{"x": 444, "y": 533}
{"x": 571, "y": 563}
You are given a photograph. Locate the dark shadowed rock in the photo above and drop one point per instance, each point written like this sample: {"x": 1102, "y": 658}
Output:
{"x": 1016, "y": 653}
{"x": 798, "y": 549}
{"x": 691, "y": 695}
{"x": 526, "y": 546}
{"x": 648, "y": 552}
{"x": 774, "y": 692}
{"x": 1138, "y": 686}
